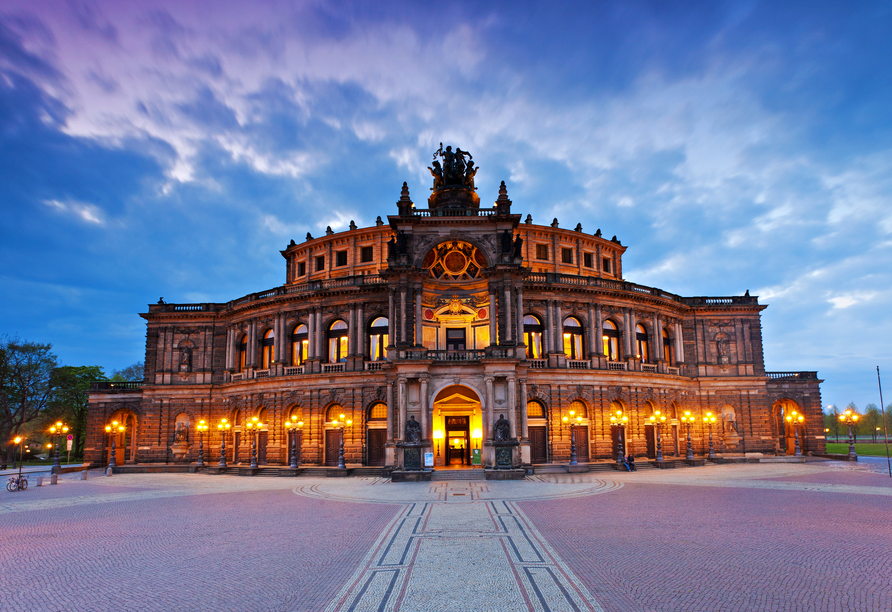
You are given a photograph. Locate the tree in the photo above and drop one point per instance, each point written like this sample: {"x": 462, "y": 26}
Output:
{"x": 872, "y": 420}
{"x": 70, "y": 398}
{"x": 135, "y": 372}
{"x": 26, "y": 370}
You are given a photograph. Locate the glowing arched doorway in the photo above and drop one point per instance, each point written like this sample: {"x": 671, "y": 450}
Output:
{"x": 458, "y": 427}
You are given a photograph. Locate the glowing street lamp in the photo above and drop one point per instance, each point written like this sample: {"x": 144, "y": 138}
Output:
{"x": 658, "y": 420}
{"x": 113, "y": 430}
{"x": 688, "y": 419}
{"x": 201, "y": 427}
{"x": 56, "y": 430}
{"x": 575, "y": 420}
{"x": 850, "y": 418}
{"x": 795, "y": 418}
{"x": 619, "y": 420}
{"x": 709, "y": 419}
{"x": 340, "y": 425}
{"x": 223, "y": 427}
{"x": 254, "y": 426}
{"x": 293, "y": 427}
{"x": 438, "y": 435}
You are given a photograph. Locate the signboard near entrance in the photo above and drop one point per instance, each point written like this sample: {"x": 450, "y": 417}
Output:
{"x": 428, "y": 460}
{"x": 475, "y": 457}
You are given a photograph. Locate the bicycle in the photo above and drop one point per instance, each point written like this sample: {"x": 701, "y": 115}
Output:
{"x": 17, "y": 483}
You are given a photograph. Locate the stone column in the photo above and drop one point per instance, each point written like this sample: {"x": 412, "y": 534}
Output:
{"x": 549, "y": 329}
{"x": 488, "y": 418}
{"x": 401, "y": 400}
{"x": 418, "y": 328}
{"x": 493, "y": 319}
{"x": 679, "y": 344}
{"x": 425, "y": 420}
{"x": 403, "y": 315}
{"x": 311, "y": 336}
{"x": 633, "y": 337}
{"x": 627, "y": 334}
{"x": 558, "y": 328}
{"x": 252, "y": 344}
{"x": 320, "y": 337}
{"x": 229, "y": 342}
{"x": 351, "y": 331}
{"x": 657, "y": 341}
{"x": 592, "y": 333}
{"x": 390, "y": 409}
{"x": 360, "y": 331}
{"x": 519, "y": 290}
{"x": 524, "y": 429}
{"x": 512, "y": 407}
{"x": 508, "y": 334}
{"x": 391, "y": 322}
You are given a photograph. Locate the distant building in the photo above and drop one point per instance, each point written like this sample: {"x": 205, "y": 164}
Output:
{"x": 464, "y": 327}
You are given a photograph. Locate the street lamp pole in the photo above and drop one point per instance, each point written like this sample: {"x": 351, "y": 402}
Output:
{"x": 574, "y": 420}
{"x": 113, "y": 430}
{"x": 658, "y": 419}
{"x": 293, "y": 427}
{"x": 795, "y": 418}
{"x": 254, "y": 426}
{"x": 687, "y": 419}
{"x": 618, "y": 420}
{"x": 201, "y": 427}
{"x": 850, "y": 418}
{"x": 340, "y": 425}
{"x": 709, "y": 419}
{"x": 223, "y": 426}
{"x": 57, "y": 430}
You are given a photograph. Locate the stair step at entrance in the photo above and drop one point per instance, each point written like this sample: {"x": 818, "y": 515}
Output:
{"x": 471, "y": 474}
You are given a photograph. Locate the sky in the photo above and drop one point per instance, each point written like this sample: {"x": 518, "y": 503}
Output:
{"x": 171, "y": 149}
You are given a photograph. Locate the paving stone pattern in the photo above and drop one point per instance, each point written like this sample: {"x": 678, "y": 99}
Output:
{"x": 781, "y": 537}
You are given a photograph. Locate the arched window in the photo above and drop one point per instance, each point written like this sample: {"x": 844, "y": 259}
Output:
{"x": 378, "y": 412}
{"x": 667, "y": 347}
{"x": 334, "y": 413}
{"x": 243, "y": 353}
{"x": 337, "y": 342}
{"x": 300, "y": 345}
{"x": 610, "y": 338}
{"x": 573, "y": 338}
{"x": 578, "y": 408}
{"x": 642, "y": 346}
{"x": 535, "y": 410}
{"x": 268, "y": 349}
{"x": 532, "y": 335}
{"x": 379, "y": 338}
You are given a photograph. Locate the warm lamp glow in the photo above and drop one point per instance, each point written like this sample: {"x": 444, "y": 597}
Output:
{"x": 477, "y": 434}
{"x": 18, "y": 440}
{"x": 438, "y": 434}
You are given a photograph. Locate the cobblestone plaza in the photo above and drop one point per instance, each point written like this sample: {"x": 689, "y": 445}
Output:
{"x": 768, "y": 536}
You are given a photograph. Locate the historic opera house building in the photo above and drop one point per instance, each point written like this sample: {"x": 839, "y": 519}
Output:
{"x": 429, "y": 328}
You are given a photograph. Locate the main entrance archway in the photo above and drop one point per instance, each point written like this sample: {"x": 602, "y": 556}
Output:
{"x": 458, "y": 427}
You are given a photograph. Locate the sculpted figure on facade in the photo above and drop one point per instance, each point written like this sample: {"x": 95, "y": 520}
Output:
{"x": 502, "y": 431}
{"x": 455, "y": 170}
{"x": 182, "y": 432}
{"x": 413, "y": 431}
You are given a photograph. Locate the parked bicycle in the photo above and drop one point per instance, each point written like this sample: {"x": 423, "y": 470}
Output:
{"x": 17, "y": 483}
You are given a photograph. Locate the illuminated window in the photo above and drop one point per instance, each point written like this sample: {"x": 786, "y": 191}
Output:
{"x": 378, "y": 339}
{"x": 378, "y": 412}
{"x": 642, "y": 346}
{"x": 243, "y": 353}
{"x": 535, "y": 410}
{"x": 334, "y": 413}
{"x": 532, "y": 330}
{"x": 579, "y": 409}
{"x": 453, "y": 261}
{"x": 337, "y": 342}
{"x": 300, "y": 345}
{"x": 667, "y": 347}
{"x": 268, "y": 349}
{"x": 573, "y": 338}
{"x": 610, "y": 337}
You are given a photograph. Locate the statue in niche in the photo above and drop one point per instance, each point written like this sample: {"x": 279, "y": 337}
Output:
{"x": 391, "y": 248}
{"x": 181, "y": 434}
{"x": 186, "y": 359}
{"x": 729, "y": 421}
{"x": 502, "y": 432}
{"x": 413, "y": 431}
{"x": 518, "y": 245}
{"x": 402, "y": 243}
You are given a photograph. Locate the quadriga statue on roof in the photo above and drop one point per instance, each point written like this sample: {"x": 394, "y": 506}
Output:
{"x": 455, "y": 170}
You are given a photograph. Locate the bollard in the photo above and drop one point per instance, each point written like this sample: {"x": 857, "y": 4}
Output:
{"x": 54, "y": 479}
{"x": 108, "y": 472}
{"x": 84, "y": 475}
{"x": 40, "y": 481}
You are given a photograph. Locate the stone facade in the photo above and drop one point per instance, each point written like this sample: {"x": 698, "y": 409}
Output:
{"x": 454, "y": 315}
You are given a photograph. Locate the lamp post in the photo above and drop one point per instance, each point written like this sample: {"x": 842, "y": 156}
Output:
{"x": 223, "y": 427}
{"x": 658, "y": 419}
{"x": 113, "y": 430}
{"x": 340, "y": 425}
{"x": 574, "y": 420}
{"x": 709, "y": 419}
{"x": 619, "y": 420}
{"x": 438, "y": 435}
{"x": 795, "y": 418}
{"x": 850, "y": 418}
{"x": 20, "y": 441}
{"x": 201, "y": 427}
{"x": 687, "y": 419}
{"x": 57, "y": 430}
{"x": 254, "y": 426}
{"x": 293, "y": 427}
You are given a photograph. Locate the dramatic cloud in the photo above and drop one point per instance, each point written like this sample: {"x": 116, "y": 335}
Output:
{"x": 169, "y": 148}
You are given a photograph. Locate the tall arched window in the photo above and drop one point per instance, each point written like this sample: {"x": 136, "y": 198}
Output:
{"x": 337, "y": 342}
{"x": 334, "y": 413}
{"x": 667, "y": 347}
{"x": 379, "y": 338}
{"x": 378, "y": 412}
{"x": 532, "y": 331}
{"x": 641, "y": 344}
{"x": 578, "y": 409}
{"x": 268, "y": 349}
{"x": 573, "y": 338}
{"x": 610, "y": 338}
{"x": 243, "y": 353}
{"x": 535, "y": 410}
{"x": 300, "y": 345}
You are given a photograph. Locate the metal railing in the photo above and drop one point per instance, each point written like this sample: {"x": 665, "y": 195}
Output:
{"x": 796, "y": 375}
{"x": 114, "y": 385}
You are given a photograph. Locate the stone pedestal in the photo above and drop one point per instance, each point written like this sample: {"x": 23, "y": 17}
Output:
{"x": 412, "y": 455}
{"x": 504, "y": 454}
{"x": 179, "y": 450}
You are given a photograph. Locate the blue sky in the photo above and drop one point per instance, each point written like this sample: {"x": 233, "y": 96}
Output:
{"x": 173, "y": 148}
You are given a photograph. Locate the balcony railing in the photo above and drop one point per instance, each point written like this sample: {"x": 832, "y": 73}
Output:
{"x": 374, "y": 366}
{"x": 792, "y": 375}
{"x": 330, "y": 368}
{"x": 537, "y": 363}
{"x": 673, "y": 370}
{"x": 114, "y": 385}
{"x": 616, "y": 365}
{"x": 261, "y": 373}
{"x": 294, "y": 370}
{"x": 649, "y": 367}
{"x": 578, "y": 364}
